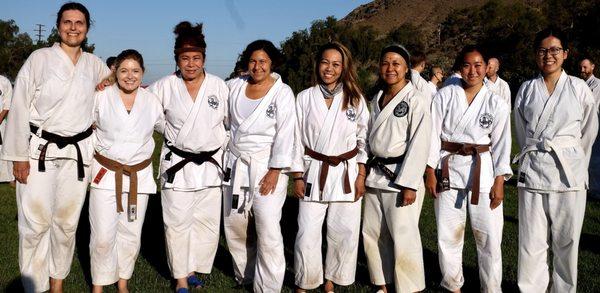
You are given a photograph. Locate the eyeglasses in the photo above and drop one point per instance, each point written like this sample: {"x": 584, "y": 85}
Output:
{"x": 552, "y": 51}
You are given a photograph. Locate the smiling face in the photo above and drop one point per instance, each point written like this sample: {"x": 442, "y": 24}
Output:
{"x": 393, "y": 68}
{"x": 72, "y": 28}
{"x": 473, "y": 69}
{"x": 330, "y": 67}
{"x": 550, "y": 55}
{"x": 259, "y": 66}
{"x": 191, "y": 65}
{"x": 129, "y": 75}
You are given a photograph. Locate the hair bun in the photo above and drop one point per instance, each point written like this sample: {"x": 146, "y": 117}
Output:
{"x": 186, "y": 28}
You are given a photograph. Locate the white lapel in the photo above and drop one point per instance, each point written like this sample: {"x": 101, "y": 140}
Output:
{"x": 470, "y": 111}
{"x": 328, "y": 127}
{"x": 550, "y": 105}
{"x": 194, "y": 108}
{"x": 389, "y": 108}
{"x": 262, "y": 106}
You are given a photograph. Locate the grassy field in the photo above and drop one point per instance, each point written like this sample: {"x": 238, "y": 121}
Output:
{"x": 152, "y": 273}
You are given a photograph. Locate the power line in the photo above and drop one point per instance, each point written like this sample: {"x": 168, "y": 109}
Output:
{"x": 39, "y": 31}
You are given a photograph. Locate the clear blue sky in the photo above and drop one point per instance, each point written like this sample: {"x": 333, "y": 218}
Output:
{"x": 147, "y": 26}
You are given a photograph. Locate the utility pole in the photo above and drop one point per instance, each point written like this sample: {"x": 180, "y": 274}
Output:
{"x": 39, "y": 31}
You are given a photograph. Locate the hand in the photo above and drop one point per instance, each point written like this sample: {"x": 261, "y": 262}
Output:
{"x": 104, "y": 83}
{"x": 408, "y": 196}
{"x": 299, "y": 189}
{"x": 21, "y": 171}
{"x": 359, "y": 187}
{"x": 269, "y": 182}
{"x": 431, "y": 182}
{"x": 497, "y": 192}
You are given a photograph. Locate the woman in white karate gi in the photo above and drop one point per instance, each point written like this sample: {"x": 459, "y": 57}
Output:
{"x": 125, "y": 117}
{"x": 6, "y": 92}
{"x": 399, "y": 135}
{"x": 470, "y": 154}
{"x": 329, "y": 171}
{"x": 260, "y": 151}
{"x": 556, "y": 123}
{"x": 48, "y": 138}
{"x": 195, "y": 107}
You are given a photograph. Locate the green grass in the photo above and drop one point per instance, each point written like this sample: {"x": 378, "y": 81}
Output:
{"x": 152, "y": 274}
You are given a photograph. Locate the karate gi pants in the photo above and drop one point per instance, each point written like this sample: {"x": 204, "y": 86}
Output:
{"x": 114, "y": 241}
{"x": 549, "y": 216}
{"x": 392, "y": 241}
{"x": 451, "y": 214}
{"x": 49, "y": 206}
{"x": 343, "y": 228}
{"x": 253, "y": 234}
{"x": 192, "y": 220}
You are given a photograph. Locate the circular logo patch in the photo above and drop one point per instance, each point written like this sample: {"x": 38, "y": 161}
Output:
{"x": 401, "y": 109}
{"x": 486, "y": 120}
{"x": 271, "y": 111}
{"x": 351, "y": 114}
{"x": 213, "y": 102}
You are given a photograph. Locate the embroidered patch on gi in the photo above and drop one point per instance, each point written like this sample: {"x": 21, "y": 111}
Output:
{"x": 486, "y": 120}
{"x": 401, "y": 109}
{"x": 213, "y": 102}
{"x": 351, "y": 114}
{"x": 271, "y": 111}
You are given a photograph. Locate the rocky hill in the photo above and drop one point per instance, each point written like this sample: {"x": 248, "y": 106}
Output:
{"x": 385, "y": 15}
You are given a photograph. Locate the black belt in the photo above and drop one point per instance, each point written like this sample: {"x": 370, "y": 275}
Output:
{"x": 61, "y": 142}
{"x": 380, "y": 163}
{"x": 198, "y": 158}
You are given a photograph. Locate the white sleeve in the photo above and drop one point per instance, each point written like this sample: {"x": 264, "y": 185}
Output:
{"x": 417, "y": 150}
{"x": 298, "y": 161}
{"x": 362, "y": 124}
{"x": 436, "y": 130}
{"x": 501, "y": 142}
{"x": 17, "y": 133}
{"x": 520, "y": 122}
{"x": 589, "y": 122}
{"x": 7, "y": 96}
{"x": 283, "y": 142}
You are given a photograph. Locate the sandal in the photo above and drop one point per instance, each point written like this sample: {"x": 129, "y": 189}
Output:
{"x": 194, "y": 282}
{"x": 182, "y": 290}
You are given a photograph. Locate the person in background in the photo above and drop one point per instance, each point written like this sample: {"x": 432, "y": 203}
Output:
{"x": 6, "y": 92}
{"x": 496, "y": 84}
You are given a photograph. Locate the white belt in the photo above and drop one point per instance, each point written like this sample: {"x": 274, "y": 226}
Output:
{"x": 246, "y": 167}
{"x": 549, "y": 145}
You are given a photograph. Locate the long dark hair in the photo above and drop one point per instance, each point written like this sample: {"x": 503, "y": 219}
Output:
{"x": 348, "y": 78}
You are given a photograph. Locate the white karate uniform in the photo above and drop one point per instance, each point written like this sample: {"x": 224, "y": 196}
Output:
{"x": 500, "y": 88}
{"x": 432, "y": 87}
{"x": 191, "y": 203}
{"x": 263, "y": 140}
{"x": 421, "y": 84}
{"x": 6, "y": 92}
{"x": 330, "y": 131}
{"x": 125, "y": 138}
{"x": 556, "y": 133}
{"x": 594, "y": 170}
{"x": 387, "y": 227}
{"x": 485, "y": 121}
{"x": 57, "y": 96}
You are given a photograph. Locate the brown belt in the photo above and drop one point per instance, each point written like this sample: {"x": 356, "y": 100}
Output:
{"x": 130, "y": 171}
{"x": 332, "y": 161}
{"x": 464, "y": 149}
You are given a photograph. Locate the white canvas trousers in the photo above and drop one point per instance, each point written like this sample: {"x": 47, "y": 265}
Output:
{"x": 549, "y": 219}
{"x": 343, "y": 228}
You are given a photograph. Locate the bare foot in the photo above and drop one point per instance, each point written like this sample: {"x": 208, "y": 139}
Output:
{"x": 382, "y": 289}
{"x": 328, "y": 286}
{"x": 56, "y": 285}
{"x": 97, "y": 289}
{"x": 299, "y": 290}
{"x": 122, "y": 286}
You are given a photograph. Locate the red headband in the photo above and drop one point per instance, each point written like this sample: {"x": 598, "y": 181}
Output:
{"x": 189, "y": 49}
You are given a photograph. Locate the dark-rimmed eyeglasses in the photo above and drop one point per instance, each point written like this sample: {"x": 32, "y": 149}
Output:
{"x": 552, "y": 51}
